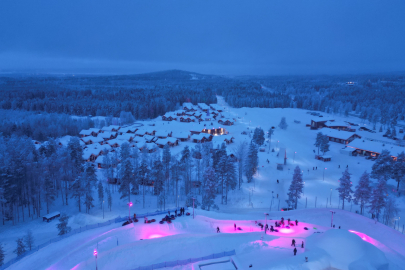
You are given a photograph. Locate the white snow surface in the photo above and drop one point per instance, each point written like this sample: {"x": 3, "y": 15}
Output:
{"x": 186, "y": 238}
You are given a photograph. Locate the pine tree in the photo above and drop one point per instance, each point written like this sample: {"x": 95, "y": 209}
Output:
{"x": 283, "y": 123}
{"x": 252, "y": 162}
{"x": 49, "y": 192}
{"x": 377, "y": 202}
{"x": 208, "y": 200}
{"x": 382, "y": 167}
{"x": 29, "y": 239}
{"x": 394, "y": 132}
{"x": 258, "y": 136}
{"x": 380, "y": 130}
{"x": 388, "y": 133}
{"x": 109, "y": 198}
{"x": 319, "y": 140}
{"x": 62, "y": 226}
{"x": 296, "y": 187}
{"x": 221, "y": 173}
{"x": 391, "y": 211}
{"x": 345, "y": 188}
{"x": 100, "y": 191}
{"x": 325, "y": 144}
{"x": 166, "y": 158}
{"x": 240, "y": 154}
{"x": 2, "y": 254}
{"x": 398, "y": 168}
{"x": 90, "y": 180}
{"x": 142, "y": 178}
{"x": 231, "y": 178}
{"x": 362, "y": 192}
{"x": 20, "y": 250}
{"x": 78, "y": 190}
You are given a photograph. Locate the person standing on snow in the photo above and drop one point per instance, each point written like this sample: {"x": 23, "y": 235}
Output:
{"x": 293, "y": 243}
{"x": 234, "y": 226}
{"x": 218, "y": 230}
{"x": 302, "y": 244}
{"x": 175, "y": 213}
{"x": 295, "y": 251}
{"x": 296, "y": 222}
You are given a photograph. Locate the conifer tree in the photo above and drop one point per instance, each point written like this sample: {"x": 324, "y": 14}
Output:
{"x": 252, "y": 161}
{"x": 362, "y": 192}
{"x": 109, "y": 198}
{"x": 29, "y": 239}
{"x": 100, "y": 191}
{"x": 296, "y": 187}
{"x": 62, "y": 226}
{"x": 230, "y": 178}
{"x": 20, "y": 250}
{"x": 319, "y": 140}
{"x": 377, "y": 201}
{"x": 398, "y": 168}
{"x": 391, "y": 211}
{"x": 90, "y": 180}
{"x": 258, "y": 136}
{"x": 208, "y": 200}
{"x": 345, "y": 188}
{"x": 2, "y": 254}
{"x": 382, "y": 167}
{"x": 325, "y": 144}
{"x": 283, "y": 123}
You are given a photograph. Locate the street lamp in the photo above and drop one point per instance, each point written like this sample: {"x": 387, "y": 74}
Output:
{"x": 95, "y": 255}
{"x": 129, "y": 210}
{"x": 330, "y": 200}
{"x": 193, "y": 206}
{"x": 331, "y": 223}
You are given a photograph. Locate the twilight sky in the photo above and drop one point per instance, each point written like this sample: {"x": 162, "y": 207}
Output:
{"x": 232, "y": 37}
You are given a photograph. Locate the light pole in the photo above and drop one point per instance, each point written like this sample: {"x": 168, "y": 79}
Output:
{"x": 330, "y": 200}
{"x": 271, "y": 202}
{"x": 95, "y": 255}
{"x": 331, "y": 223}
{"x": 129, "y": 210}
{"x": 193, "y": 206}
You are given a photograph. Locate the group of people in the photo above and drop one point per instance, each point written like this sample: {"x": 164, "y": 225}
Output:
{"x": 295, "y": 249}
{"x": 182, "y": 211}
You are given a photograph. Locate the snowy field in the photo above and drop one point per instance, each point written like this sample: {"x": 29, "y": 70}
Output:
{"x": 368, "y": 246}
{"x": 186, "y": 238}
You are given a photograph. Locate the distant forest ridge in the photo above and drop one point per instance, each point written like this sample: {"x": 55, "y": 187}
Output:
{"x": 377, "y": 98}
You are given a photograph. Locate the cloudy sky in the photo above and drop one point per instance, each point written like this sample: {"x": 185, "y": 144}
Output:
{"x": 233, "y": 37}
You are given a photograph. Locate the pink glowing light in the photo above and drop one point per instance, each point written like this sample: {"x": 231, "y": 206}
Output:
{"x": 95, "y": 253}
{"x": 155, "y": 236}
{"x": 365, "y": 237}
{"x": 286, "y": 231}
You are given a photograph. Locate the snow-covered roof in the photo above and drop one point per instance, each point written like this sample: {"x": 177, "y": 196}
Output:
{"x": 93, "y": 139}
{"x": 216, "y": 107}
{"x": 126, "y": 129}
{"x": 139, "y": 140}
{"x": 200, "y": 136}
{"x": 165, "y": 141}
{"x": 90, "y": 151}
{"x": 85, "y": 132}
{"x": 203, "y": 106}
{"x": 181, "y": 135}
{"x": 376, "y": 147}
{"x": 107, "y": 134}
{"x": 116, "y": 141}
{"x": 97, "y": 130}
{"x": 110, "y": 128}
{"x": 162, "y": 133}
{"x": 336, "y": 124}
{"x": 344, "y": 135}
{"x": 51, "y": 215}
{"x": 188, "y": 105}
{"x": 125, "y": 136}
{"x": 149, "y": 138}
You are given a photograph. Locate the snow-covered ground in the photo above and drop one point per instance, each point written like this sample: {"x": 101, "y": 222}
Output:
{"x": 186, "y": 238}
{"x": 139, "y": 244}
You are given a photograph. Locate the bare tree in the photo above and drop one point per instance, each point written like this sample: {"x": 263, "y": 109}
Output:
{"x": 29, "y": 239}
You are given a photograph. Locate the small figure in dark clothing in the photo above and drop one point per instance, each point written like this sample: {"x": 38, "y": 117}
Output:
{"x": 333, "y": 225}
{"x": 272, "y": 229}
{"x": 339, "y": 166}
{"x": 175, "y": 213}
{"x": 316, "y": 168}
{"x": 234, "y": 226}
{"x": 295, "y": 251}
{"x": 313, "y": 168}
{"x": 261, "y": 226}
{"x": 218, "y": 230}
{"x": 182, "y": 209}
{"x": 276, "y": 224}
{"x": 282, "y": 219}
{"x": 268, "y": 161}
{"x": 302, "y": 244}
{"x": 293, "y": 243}
{"x": 296, "y": 222}
{"x": 288, "y": 221}
{"x": 278, "y": 181}
{"x": 277, "y": 195}
{"x": 347, "y": 166}
{"x": 267, "y": 226}
{"x": 339, "y": 227}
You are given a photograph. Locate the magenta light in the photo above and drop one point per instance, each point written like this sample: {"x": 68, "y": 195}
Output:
{"x": 286, "y": 231}
{"x": 155, "y": 236}
{"x": 130, "y": 204}
{"x": 95, "y": 252}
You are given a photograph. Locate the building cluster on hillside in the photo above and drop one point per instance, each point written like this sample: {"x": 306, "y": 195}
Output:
{"x": 98, "y": 141}
{"x": 200, "y": 113}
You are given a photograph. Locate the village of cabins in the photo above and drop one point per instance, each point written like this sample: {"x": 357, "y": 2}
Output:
{"x": 98, "y": 141}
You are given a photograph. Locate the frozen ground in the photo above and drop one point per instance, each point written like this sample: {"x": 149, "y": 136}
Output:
{"x": 187, "y": 238}
{"x": 298, "y": 140}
